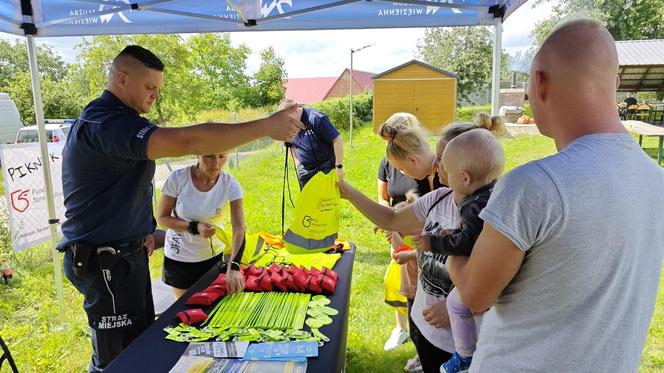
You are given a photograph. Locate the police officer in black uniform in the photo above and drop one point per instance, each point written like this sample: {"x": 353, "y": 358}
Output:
{"x": 108, "y": 165}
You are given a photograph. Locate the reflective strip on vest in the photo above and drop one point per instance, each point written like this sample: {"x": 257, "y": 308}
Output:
{"x": 307, "y": 243}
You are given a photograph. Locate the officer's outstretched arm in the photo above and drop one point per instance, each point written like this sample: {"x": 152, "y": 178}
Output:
{"x": 210, "y": 138}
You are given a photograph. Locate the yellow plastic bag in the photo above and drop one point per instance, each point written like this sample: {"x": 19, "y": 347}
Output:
{"x": 225, "y": 238}
{"x": 316, "y": 218}
{"x": 392, "y": 283}
{"x": 253, "y": 245}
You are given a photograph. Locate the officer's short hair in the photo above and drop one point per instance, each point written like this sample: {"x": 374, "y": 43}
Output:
{"x": 147, "y": 58}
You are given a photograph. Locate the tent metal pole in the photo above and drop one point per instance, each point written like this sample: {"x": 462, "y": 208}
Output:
{"x": 350, "y": 95}
{"x": 497, "y": 54}
{"x": 39, "y": 114}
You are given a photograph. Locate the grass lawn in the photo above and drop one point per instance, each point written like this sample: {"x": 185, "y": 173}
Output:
{"x": 42, "y": 340}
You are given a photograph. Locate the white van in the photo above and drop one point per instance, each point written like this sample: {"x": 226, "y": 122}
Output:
{"x": 54, "y": 133}
{"x": 10, "y": 120}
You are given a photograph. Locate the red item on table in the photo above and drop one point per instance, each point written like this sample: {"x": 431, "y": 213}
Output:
{"x": 204, "y": 298}
{"x": 300, "y": 279}
{"x": 330, "y": 273}
{"x": 328, "y": 284}
{"x": 278, "y": 281}
{"x": 313, "y": 284}
{"x": 220, "y": 280}
{"x": 193, "y": 316}
{"x": 251, "y": 283}
{"x": 274, "y": 269}
{"x": 265, "y": 282}
{"x": 254, "y": 271}
{"x": 289, "y": 281}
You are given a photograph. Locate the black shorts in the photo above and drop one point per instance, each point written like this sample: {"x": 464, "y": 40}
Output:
{"x": 182, "y": 275}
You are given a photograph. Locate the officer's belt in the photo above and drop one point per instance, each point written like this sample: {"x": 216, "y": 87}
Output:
{"x": 123, "y": 248}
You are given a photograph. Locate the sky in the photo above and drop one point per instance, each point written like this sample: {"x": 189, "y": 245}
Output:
{"x": 327, "y": 53}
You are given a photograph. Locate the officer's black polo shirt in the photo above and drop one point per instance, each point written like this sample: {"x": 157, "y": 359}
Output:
{"x": 106, "y": 175}
{"x": 313, "y": 144}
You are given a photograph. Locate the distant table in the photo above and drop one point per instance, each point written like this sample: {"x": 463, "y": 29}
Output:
{"x": 657, "y": 110}
{"x": 151, "y": 352}
{"x": 645, "y": 129}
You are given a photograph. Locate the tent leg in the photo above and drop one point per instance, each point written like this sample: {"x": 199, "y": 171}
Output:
{"x": 39, "y": 114}
{"x": 497, "y": 54}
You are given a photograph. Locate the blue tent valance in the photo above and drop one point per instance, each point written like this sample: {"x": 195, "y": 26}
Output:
{"x": 49, "y": 18}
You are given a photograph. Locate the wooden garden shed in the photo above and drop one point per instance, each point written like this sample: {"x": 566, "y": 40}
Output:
{"x": 418, "y": 88}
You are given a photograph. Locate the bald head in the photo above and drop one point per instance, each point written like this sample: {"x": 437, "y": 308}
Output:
{"x": 580, "y": 52}
{"x": 135, "y": 77}
{"x": 573, "y": 80}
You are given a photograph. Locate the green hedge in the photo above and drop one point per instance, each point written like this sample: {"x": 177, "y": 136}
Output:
{"x": 338, "y": 110}
{"x": 467, "y": 113}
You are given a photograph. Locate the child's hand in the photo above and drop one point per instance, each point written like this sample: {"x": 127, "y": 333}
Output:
{"x": 422, "y": 242}
{"x": 388, "y": 236}
{"x": 404, "y": 257}
{"x": 344, "y": 189}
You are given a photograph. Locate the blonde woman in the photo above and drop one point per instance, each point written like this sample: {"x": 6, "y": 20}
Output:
{"x": 191, "y": 206}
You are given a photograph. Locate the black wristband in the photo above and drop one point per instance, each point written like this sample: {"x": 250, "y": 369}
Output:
{"x": 339, "y": 165}
{"x": 193, "y": 228}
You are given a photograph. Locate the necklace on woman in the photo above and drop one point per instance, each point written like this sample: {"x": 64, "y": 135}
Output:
{"x": 203, "y": 181}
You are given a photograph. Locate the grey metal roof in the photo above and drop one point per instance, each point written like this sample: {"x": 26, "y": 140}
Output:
{"x": 640, "y": 52}
{"x": 641, "y": 65}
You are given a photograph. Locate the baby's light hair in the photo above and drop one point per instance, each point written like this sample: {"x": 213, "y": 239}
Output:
{"x": 451, "y": 131}
{"x": 403, "y": 134}
{"x": 479, "y": 153}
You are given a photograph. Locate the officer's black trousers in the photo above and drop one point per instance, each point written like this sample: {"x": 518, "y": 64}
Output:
{"x": 118, "y": 302}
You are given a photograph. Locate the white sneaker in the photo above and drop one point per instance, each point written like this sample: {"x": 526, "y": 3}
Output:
{"x": 397, "y": 338}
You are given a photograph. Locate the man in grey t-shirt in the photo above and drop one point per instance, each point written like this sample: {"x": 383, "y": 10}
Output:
{"x": 569, "y": 260}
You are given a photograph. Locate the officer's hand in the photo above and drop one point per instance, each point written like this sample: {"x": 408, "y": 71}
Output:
{"x": 436, "y": 315}
{"x": 282, "y": 126}
{"x": 205, "y": 230}
{"x": 149, "y": 244}
{"x": 234, "y": 281}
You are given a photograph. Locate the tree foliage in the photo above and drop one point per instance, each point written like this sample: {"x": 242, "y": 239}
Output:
{"x": 269, "y": 79}
{"x": 466, "y": 51}
{"x": 56, "y": 79}
{"x": 203, "y": 72}
{"x": 625, "y": 19}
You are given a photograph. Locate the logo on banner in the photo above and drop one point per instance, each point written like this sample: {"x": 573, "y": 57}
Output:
{"x": 431, "y": 10}
{"x": 19, "y": 199}
{"x": 106, "y": 18}
{"x": 407, "y": 9}
{"x": 269, "y": 6}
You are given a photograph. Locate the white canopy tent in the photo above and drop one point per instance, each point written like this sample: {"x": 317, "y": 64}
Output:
{"x": 50, "y": 18}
